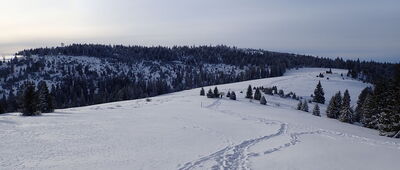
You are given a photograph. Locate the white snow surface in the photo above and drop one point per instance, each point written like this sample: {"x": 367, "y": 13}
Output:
{"x": 186, "y": 131}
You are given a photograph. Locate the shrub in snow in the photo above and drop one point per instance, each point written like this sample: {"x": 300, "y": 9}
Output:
{"x": 263, "y": 101}
{"x": 216, "y": 92}
{"x": 249, "y": 93}
{"x": 257, "y": 94}
{"x": 232, "y": 96}
{"x": 228, "y": 94}
{"x": 202, "y": 92}
{"x": 210, "y": 94}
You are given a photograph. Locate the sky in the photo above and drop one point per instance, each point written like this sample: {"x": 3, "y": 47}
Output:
{"x": 365, "y": 29}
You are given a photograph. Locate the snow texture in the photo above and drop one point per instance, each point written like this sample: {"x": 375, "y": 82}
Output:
{"x": 186, "y": 131}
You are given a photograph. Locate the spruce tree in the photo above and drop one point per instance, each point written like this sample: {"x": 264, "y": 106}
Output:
{"x": 202, "y": 92}
{"x": 216, "y": 92}
{"x": 360, "y": 102}
{"x": 316, "y": 111}
{"x": 319, "y": 94}
{"x": 249, "y": 93}
{"x": 304, "y": 107}
{"x": 263, "y": 101}
{"x": 257, "y": 94}
{"x": 29, "y": 101}
{"x": 334, "y": 107}
{"x": 389, "y": 116}
{"x": 228, "y": 94}
{"x": 330, "y": 109}
{"x": 346, "y": 113}
{"x": 232, "y": 96}
{"x": 300, "y": 105}
{"x": 45, "y": 102}
{"x": 369, "y": 113}
{"x": 210, "y": 94}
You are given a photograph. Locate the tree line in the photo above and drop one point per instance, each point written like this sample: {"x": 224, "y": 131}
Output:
{"x": 78, "y": 84}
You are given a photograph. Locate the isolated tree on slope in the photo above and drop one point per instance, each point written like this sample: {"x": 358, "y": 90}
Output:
{"x": 29, "y": 100}
{"x": 257, "y": 94}
{"x": 346, "y": 113}
{"x": 232, "y": 96}
{"x": 319, "y": 94}
{"x": 316, "y": 111}
{"x": 263, "y": 101}
{"x": 45, "y": 102}
{"x": 202, "y": 92}
{"x": 249, "y": 93}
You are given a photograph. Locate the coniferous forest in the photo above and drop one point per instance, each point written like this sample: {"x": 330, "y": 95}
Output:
{"x": 86, "y": 74}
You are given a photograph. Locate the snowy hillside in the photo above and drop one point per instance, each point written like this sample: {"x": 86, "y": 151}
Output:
{"x": 186, "y": 131}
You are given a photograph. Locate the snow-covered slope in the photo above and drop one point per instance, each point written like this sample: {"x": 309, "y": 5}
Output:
{"x": 186, "y": 131}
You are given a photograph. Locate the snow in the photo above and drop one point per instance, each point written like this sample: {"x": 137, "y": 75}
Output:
{"x": 186, "y": 131}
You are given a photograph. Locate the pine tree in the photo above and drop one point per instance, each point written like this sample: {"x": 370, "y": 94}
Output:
{"x": 210, "y": 94}
{"x": 304, "y": 107}
{"x": 29, "y": 101}
{"x": 319, "y": 94}
{"x": 316, "y": 111}
{"x": 330, "y": 110}
{"x": 263, "y": 101}
{"x": 232, "y": 96}
{"x": 334, "y": 107}
{"x": 216, "y": 92}
{"x": 300, "y": 105}
{"x": 45, "y": 102}
{"x": 202, "y": 92}
{"x": 346, "y": 112}
{"x": 249, "y": 93}
{"x": 361, "y": 100}
{"x": 369, "y": 113}
{"x": 389, "y": 116}
{"x": 257, "y": 94}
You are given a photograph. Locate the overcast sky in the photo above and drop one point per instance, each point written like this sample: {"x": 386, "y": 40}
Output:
{"x": 368, "y": 29}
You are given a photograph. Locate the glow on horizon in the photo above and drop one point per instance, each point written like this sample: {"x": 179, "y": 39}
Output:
{"x": 347, "y": 28}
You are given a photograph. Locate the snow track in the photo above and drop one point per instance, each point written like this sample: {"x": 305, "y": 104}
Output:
{"x": 232, "y": 157}
{"x": 237, "y": 156}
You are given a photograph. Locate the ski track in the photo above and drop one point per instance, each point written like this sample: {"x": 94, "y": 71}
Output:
{"x": 235, "y": 157}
